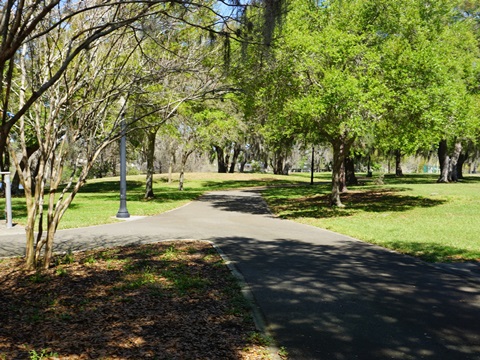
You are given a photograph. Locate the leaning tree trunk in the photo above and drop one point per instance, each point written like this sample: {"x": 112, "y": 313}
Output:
{"x": 398, "y": 163}
{"x": 236, "y": 152}
{"x": 452, "y": 166}
{"x": 151, "y": 137}
{"x": 182, "y": 169}
{"x": 444, "y": 161}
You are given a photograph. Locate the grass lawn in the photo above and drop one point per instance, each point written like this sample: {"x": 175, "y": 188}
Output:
{"x": 413, "y": 214}
{"x": 98, "y": 201}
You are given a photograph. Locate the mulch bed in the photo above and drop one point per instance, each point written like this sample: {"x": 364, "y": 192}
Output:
{"x": 170, "y": 300}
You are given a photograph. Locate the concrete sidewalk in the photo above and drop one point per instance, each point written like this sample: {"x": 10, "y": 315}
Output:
{"x": 323, "y": 295}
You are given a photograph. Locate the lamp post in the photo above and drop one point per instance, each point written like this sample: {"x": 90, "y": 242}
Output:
{"x": 123, "y": 212}
{"x": 312, "y": 165}
{"x": 8, "y": 199}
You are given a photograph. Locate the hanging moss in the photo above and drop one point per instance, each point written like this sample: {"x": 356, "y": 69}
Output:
{"x": 273, "y": 10}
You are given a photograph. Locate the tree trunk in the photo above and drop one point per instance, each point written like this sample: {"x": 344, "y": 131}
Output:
{"x": 48, "y": 254}
{"x": 151, "y": 137}
{"x": 242, "y": 165}
{"x": 444, "y": 161}
{"x": 278, "y": 160}
{"x": 170, "y": 166}
{"x": 452, "y": 166}
{"x": 341, "y": 147}
{"x": 350, "y": 178}
{"x": 461, "y": 161}
{"x": 312, "y": 166}
{"x": 369, "y": 167}
{"x": 16, "y": 178}
{"x": 236, "y": 152}
{"x": 398, "y": 163}
{"x": 278, "y": 168}
{"x": 182, "y": 169}
{"x": 343, "y": 178}
{"x": 30, "y": 261}
{"x": 222, "y": 166}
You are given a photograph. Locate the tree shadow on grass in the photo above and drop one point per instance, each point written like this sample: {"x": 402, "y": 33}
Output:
{"x": 237, "y": 184}
{"x": 303, "y": 202}
{"x": 110, "y": 186}
{"x": 391, "y": 179}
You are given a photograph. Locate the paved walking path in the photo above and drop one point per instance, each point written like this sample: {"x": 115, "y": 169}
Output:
{"x": 323, "y": 295}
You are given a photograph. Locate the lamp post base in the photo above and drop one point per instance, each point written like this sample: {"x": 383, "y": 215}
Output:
{"x": 123, "y": 214}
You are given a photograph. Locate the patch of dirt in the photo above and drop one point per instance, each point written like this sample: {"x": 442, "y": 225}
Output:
{"x": 170, "y": 300}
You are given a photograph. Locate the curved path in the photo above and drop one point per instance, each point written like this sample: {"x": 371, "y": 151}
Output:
{"x": 323, "y": 295}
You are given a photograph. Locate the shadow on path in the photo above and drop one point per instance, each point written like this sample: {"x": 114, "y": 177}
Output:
{"x": 238, "y": 201}
{"x": 352, "y": 301}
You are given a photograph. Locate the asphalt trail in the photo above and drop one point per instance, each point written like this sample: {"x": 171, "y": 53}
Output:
{"x": 323, "y": 295}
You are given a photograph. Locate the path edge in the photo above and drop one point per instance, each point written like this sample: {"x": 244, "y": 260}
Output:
{"x": 258, "y": 317}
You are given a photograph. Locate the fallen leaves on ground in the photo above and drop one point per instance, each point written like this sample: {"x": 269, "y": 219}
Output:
{"x": 170, "y": 300}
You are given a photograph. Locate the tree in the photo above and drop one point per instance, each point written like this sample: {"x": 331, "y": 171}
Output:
{"x": 352, "y": 69}
{"x": 78, "y": 114}
{"x": 21, "y": 22}
{"x": 75, "y": 60}
{"x": 427, "y": 65}
{"x": 181, "y": 65}
{"x": 190, "y": 129}
{"x": 334, "y": 53}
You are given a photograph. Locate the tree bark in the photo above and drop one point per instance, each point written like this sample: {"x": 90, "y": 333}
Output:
{"x": 341, "y": 147}
{"x": 452, "y": 166}
{"x": 16, "y": 178}
{"x": 369, "y": 167}
{"x": 350, "y": 178}
{"x": 444, "y": 161}
{"x": 343, "y": 178}
{"x": 398, "y": 163}
{"x": 222, "y": 166}
{"x": 278, "y": 164}
{"x": 278, "y": 168}
{"x": 312, "y": 166}
{"x": 182, "y": 169}
{"x": 30, "y": 262}
{"x": 242, "y": 165}
{"x": 151, "y": 137}
{"x": 461, "y": 161}
{"x": 236, "y": 152}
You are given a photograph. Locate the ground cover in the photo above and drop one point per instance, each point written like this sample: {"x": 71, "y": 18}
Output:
{"x": 170, "y": 300}
{"x": 412, "y": 214}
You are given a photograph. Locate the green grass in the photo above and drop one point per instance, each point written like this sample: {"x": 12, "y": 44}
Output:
{"x": 98, "y": 201}
{"x": 413, "y": 215}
